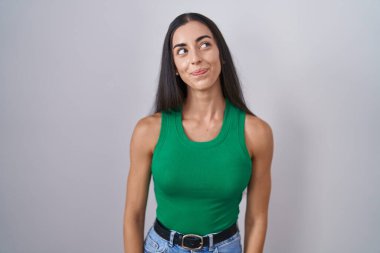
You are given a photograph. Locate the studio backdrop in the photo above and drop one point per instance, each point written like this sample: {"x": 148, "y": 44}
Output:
{"x": 77, "y": 75}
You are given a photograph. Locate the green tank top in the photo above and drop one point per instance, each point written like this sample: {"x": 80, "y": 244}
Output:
{"x": 199, "y": 185}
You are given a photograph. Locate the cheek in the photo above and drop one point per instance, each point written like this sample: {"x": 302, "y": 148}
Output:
{"x": 216, "y": 62}
{"x": 180, "y": 65}
{"x": 214, "y": 58}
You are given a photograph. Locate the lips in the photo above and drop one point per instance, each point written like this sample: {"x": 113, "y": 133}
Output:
{"x": 199, "y": 72}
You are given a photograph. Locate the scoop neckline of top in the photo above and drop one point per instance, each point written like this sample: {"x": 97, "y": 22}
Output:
{"x": 203, "y": 144}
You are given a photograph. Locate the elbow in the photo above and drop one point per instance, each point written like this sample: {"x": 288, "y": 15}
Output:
{"x": 135, "y": 219}
{"x": 259, "y": 220}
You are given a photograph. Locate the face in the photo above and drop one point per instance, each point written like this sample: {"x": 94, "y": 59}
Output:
{"x": 196, "y": 55}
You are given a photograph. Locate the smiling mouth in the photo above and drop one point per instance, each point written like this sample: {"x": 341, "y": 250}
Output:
{"x": 199, "y": 72}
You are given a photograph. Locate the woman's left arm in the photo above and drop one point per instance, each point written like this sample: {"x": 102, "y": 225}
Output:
{"x": 259, "y": 140}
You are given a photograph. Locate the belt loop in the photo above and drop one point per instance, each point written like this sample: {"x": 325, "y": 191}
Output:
{"x": 211, "y": 242}
{"x": 172, "y": 233}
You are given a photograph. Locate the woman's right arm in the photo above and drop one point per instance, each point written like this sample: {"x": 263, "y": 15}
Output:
{"x": 143, "y": 140}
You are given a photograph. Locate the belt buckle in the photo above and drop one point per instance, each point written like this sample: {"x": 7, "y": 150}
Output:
{"x": 192, "y": 235}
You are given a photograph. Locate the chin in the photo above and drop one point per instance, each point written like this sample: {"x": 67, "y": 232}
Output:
{"x": 201, "y": 86}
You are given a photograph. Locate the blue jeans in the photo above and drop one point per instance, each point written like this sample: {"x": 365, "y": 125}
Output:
{"x": 154, "y": 243}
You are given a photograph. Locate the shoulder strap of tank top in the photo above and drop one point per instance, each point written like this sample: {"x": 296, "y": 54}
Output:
{"x": 241, "y": 130}
{"x": 165, "y": 124}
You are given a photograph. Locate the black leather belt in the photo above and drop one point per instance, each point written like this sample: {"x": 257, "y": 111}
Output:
{"x": 191, "y": 241}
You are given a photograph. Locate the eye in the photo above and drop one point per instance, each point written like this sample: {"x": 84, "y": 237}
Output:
{"x": 205, "y": 44}
{"x": 181, "y": 51}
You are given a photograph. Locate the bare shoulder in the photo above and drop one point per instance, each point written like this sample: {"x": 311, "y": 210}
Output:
{"x": 258, "y": 135}
{"x": 147, "y": 131}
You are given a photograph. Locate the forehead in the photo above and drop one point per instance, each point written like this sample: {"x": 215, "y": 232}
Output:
{"x": 190, "y": 31}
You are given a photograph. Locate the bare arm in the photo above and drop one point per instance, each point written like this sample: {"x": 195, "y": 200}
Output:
{"x": 143, "y": 140}
{"x": 259, "y": 139}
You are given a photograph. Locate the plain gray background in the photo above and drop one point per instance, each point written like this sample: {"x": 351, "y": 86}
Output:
{"x": 76, "y": 76}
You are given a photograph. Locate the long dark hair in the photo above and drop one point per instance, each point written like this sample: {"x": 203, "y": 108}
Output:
{"x": 172, "y": 91}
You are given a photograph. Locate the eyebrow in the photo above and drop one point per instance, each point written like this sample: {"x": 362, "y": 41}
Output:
{"x": 197, "y": 40}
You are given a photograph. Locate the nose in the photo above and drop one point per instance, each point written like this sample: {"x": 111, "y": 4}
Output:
{"x": 195, "y": 57}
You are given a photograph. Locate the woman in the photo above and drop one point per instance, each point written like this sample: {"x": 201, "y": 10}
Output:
{"x": 203, "y": 147}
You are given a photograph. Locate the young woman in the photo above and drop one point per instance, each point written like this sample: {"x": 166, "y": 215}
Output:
{"x": 203, "y": 147}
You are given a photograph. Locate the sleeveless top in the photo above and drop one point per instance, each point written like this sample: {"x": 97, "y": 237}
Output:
{"x": 199, "y": 185}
